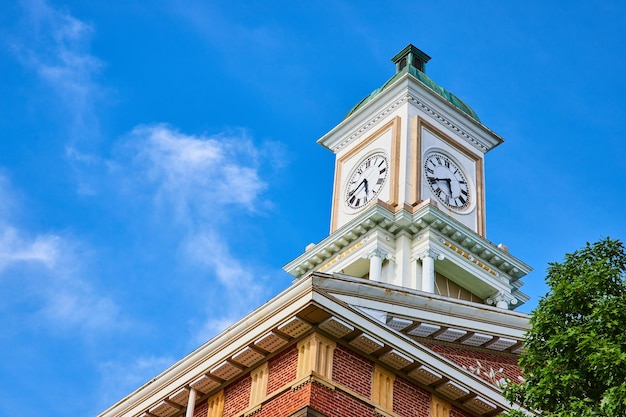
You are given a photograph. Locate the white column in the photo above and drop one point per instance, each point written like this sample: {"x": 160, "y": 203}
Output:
{"x": 428, "y": 274}
{"x": 376, "y": 258}
{"x": 428, "y": 268}
{"x": 417, "y": 271}
{"x": 376, "y": 267}
{"x": 191, "y": 403}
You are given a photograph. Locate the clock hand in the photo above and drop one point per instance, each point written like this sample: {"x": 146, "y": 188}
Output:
{"x": 450, "y": 187}
{"x": 448, "y": 181}
{"x": 364, "y": 181}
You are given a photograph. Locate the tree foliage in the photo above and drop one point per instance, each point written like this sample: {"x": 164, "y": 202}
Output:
{"x": 574, "y": 360}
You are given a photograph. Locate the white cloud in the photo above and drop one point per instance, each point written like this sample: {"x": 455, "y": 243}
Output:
{"x": 203, "y": 184}
{"x": 195, "y": 175}
{"x": 241, "y": 287}
{"x": 70, "y": 301}
{"x": 55, "y": 45}
{"x": 51, "y": 268}
{"x": 15, "y": 248}
{"x": 210, "y": 249}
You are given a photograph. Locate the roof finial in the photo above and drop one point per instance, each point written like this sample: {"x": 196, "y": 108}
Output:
{"x": 412, "y": 56}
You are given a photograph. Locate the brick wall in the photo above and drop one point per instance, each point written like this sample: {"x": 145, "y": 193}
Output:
{"x": 237, "y": 396}
{"x": 201, "y": 409}
{"x": 353, "y": 371}
{"x": 338, "y": 404}
{"x": 287, "y": 403}
{"x": 283, "y": 369}
{"x": 489, "y": 360}
{"x": 409, "y": 400}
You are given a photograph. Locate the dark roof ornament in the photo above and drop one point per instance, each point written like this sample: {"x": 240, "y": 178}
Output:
{"x": 413, "y": 56}
{"x": 413, "y": 61}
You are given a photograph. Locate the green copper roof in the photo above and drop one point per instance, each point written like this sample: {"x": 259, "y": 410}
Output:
{"x": 413, "y": 61}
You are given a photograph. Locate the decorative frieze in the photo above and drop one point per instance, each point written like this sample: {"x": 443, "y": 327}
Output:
{"x": 425, "y": 375}
{"x": 470, "y": 258}
{"x": 204, "y": 384}
{"x": 295, "y": 327}
{"x": 336, "y": 327}
{"x": 366, "y": 343}
{"x": 426, "y": 108}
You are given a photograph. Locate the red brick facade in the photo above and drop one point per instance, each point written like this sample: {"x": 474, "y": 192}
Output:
{"x": 353, "y": 371}
{"x": 237, "y": 397}
{"x": 286, "y": 403}
{"x": 410, "y": 400}
{"x": 481, "y": 362}
{"x": 349, "y": 394}
{"x": 283, "y": 369}
{"x": 201, "y": 410}
{"x": 337, "y": 403}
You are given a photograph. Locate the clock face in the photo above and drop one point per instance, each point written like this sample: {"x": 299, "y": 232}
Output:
{"x": 447, "y": 181}
{"x": 367, "y": 180}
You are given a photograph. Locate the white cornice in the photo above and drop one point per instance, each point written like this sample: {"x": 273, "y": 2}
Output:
{"x": 411, "y": 221}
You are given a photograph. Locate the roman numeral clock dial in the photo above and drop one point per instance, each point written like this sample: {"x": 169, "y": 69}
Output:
{"x": 447, "y": 181}
{"x": 367, "y": 180}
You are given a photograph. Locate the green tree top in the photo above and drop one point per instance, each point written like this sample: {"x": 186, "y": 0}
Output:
{"x": 574, "y": 360}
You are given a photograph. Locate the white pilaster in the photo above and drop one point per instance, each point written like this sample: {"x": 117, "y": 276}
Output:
{"x": 404, "y": 276}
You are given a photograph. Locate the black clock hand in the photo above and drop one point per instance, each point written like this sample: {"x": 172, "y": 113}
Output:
{"x": 364, "y": 181}
{"x": 450, "y": 187}
{"x": 448, "y": 181}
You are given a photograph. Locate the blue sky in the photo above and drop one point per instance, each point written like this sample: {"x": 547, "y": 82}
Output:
{"x": 159, "y": 165}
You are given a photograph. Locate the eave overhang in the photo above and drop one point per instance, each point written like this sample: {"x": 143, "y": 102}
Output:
{"x": 330, "y": 304}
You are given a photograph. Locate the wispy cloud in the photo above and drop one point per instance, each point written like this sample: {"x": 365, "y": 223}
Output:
{"x": 15, "y": 248}
{"x": 195, "y": 175}
{"x": 50, "y": 268}
{"x": 56, "y": 46}
{"x": 204, "y": 184}
{"x": 118, "y": 378}
{"x": 241, "y": 286}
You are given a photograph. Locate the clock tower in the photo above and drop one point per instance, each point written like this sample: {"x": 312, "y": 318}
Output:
{"x": 402, "y": 311}
{"x": 408, "y": 204}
